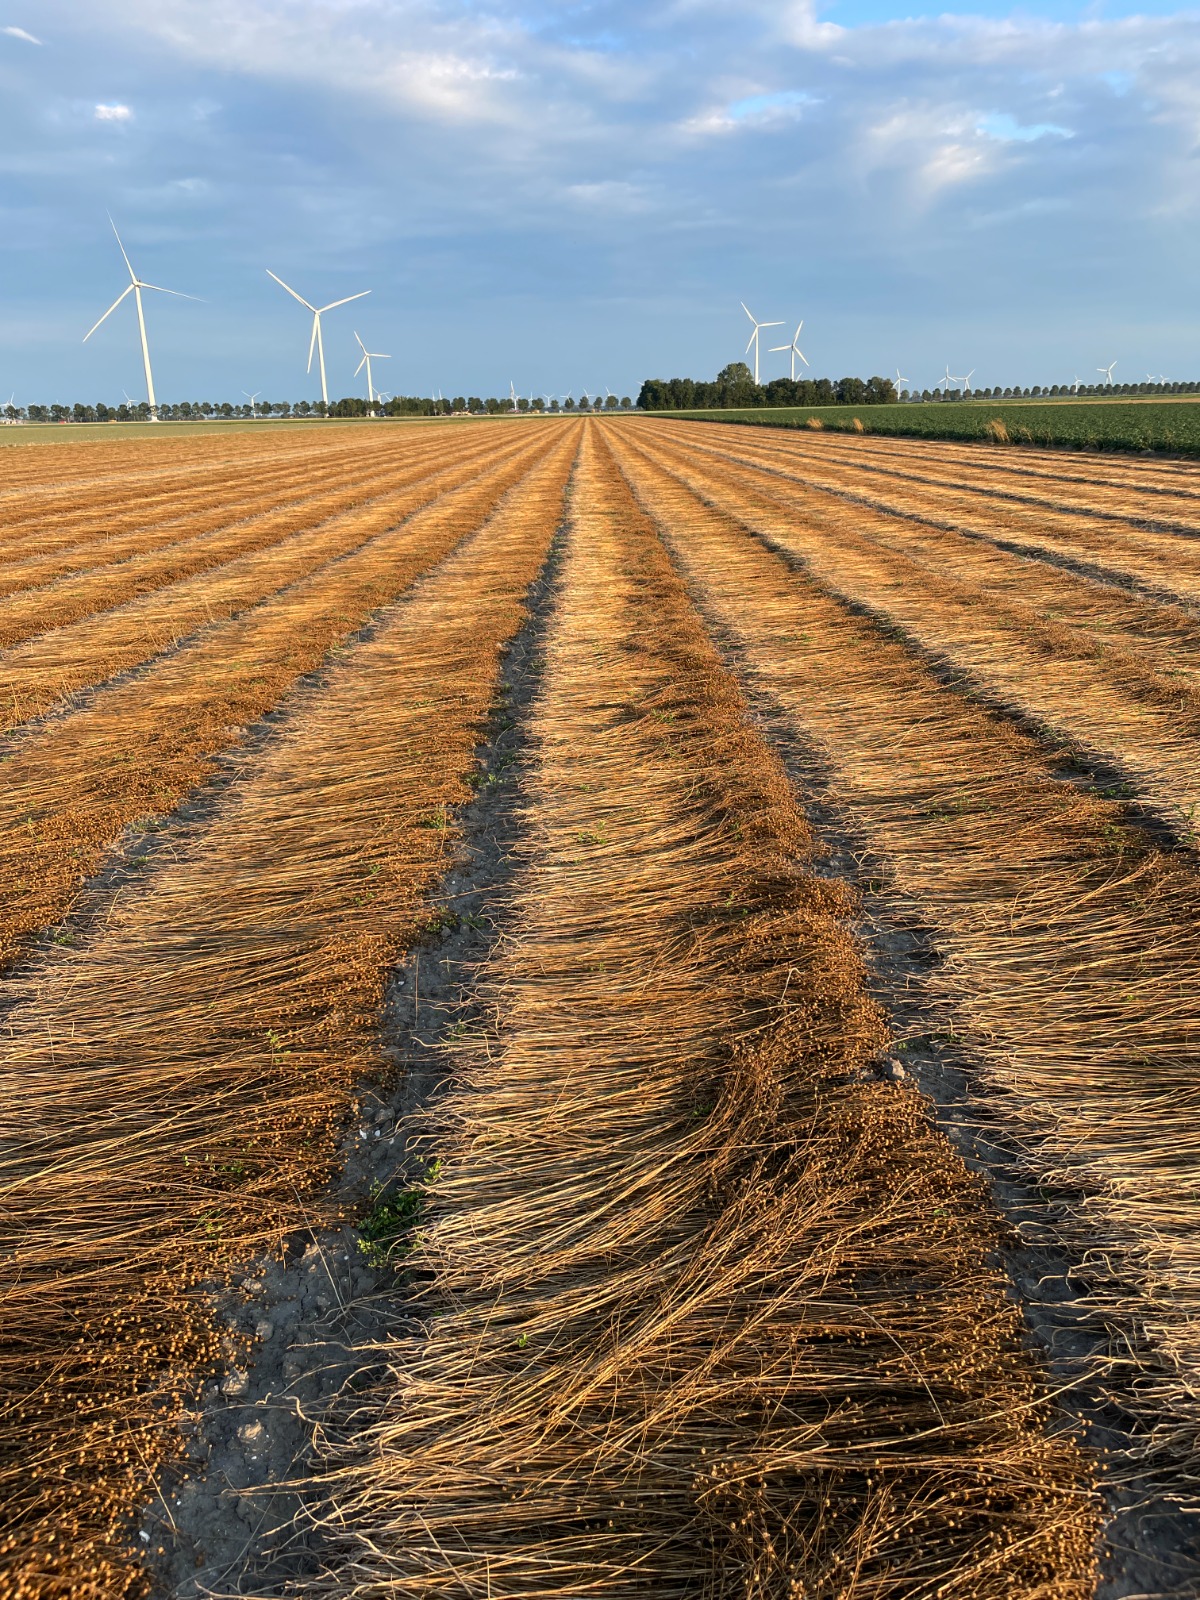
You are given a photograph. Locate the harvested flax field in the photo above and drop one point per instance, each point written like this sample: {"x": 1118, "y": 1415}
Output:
{"x": 598, "y": 1008}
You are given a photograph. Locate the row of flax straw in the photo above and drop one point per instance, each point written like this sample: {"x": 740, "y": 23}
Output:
{"x": 712, "y": 1310}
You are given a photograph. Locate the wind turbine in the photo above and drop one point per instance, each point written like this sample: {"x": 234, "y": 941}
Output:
{"x": 135, "y": 287}
{"x": 512, "y": 396}
{"x": 317, "y": 312}
{"x": 900, "y": 380}
{"x": 758, "y": 326}
{"x": 965, "y": 382}
{"x": 793, "y": 348}
{"x": 1075, "y": 385}
{"x": 1108, "y": 372}
{"x": 367, "y": 357}
{"x": 252, "y": 398}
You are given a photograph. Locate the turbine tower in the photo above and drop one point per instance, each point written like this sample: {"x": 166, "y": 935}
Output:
{"x": 758, "y": 326}
{"x": 1108, "y": 372}
{"x": 793, "y": 348}
{"x": 367, "y": 357}
{"x": 317, "y": 313}
{"x": 135, "y": 287}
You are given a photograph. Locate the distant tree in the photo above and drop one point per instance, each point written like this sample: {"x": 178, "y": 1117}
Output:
{"x": 880, "y": 392}
{"x": 736, "y": 386}
{"x": 522, "y": 404}
{"x": 568, "y": 404}
{"x": 611, "y": 403}
{"x": 474, "y": 403}
{"x": 554, "y": 406}
{"x": 626, "y": 403}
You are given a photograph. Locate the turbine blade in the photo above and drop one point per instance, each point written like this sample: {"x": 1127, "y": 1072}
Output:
{"x": 121, "y": 248}
{"x": 749, "y": 342}
{"x": 361, "y": 345}
{"x": 108, "y": 313}
{"x": 312, "y": 343}
{"x": 803, "y": 357}
{"x": 776, "y": 348}
{"x": 290, "y": 290}
{"x": 344, "y": 302}
{"x": 770, "y": 324}
{"x": 178, "y": 293}
{"x": 748, "y": 311}
{"x": 360, "y": 366}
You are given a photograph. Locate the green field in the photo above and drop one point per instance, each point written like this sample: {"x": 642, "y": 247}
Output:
{"x": 1168, "y": 425}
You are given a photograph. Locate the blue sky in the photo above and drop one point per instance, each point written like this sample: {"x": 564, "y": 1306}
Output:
{"x": 577, "y": 195}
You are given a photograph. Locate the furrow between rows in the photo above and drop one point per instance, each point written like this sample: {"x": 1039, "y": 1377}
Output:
{"x": 143, "y": 530}
{"x": 172, "y": 1091}
{"x": 1113, "y": 695}
{"x": 1024, "y": 474}
{"x": 1071, "y": 943}
{"x": 1162, "y": 564}
{"x": 44, "y": 672}
{"x": 712, "y": 1311}
{"x": 176, "y": 554}
{"x": 135, "y": 750}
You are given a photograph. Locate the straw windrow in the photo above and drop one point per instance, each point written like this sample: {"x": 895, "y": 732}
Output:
{"x": 712, "y": 1310}
{"x": 1071, "y": 943}
{"x": 172, "y": 1092}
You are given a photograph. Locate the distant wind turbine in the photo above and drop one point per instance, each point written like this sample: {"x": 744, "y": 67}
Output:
{"x": 1108, "y": 372}
{"x": 1075, "y": 385}
{"x": 512, "y": 395}
{"x": 947, "y": 380}
{"x": 965, "y": 383}
{"x": 367, "y": 357}
{"x": 793, "y": 349}
{"x": 317, "y": 313}
{"x": 900, "y": 381}
{"x": 135, "y": 287}
{"x": 758, "y": 327}
{"x": 252, "y": 398}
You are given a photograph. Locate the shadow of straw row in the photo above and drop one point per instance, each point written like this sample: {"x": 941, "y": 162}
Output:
{"x": 713, "y": 1311}
{"x": 135, "y": 751}
{"x": 1116, "y": 677}
{"x": 173, "y": 1092}
{"x": 1072, "y": 946}
{"x": 1141, "y": 539}
{"x": 165, "y": 547}
{"x": 43, "y": 671}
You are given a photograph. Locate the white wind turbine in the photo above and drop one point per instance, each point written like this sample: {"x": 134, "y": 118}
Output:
{"x": 317, "y": 313}
{"x": 512, "y": 396}
{"x": 947, "y": 380}
{"x": 965, "y": 383}
{"x": 135, "y": 287}
{"x": 252, "y": 398}
{"x": 900, "y": 381}
{"x": 793, "y": 349}
{"x": 1108, "y": 372}
{"x": 367, "y": 357}
{"x": 1075, "y": 385}
{"x": 758, "y": 326}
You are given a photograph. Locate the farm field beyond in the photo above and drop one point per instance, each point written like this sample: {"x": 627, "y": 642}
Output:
{"x": 607, "y": 1006}
{"x": 1168, "y": 426}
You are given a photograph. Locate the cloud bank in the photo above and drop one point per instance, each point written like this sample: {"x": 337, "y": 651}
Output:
{"x": 598, "y": 184}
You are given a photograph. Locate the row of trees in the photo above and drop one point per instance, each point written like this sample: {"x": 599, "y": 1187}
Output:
{"x": 734, "y": 386}
{"x": 400, "y": 406}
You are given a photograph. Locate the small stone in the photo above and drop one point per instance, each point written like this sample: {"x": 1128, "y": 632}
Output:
{"x": 252, "y": 1434}
{"x": 234, "y": 1383}
{"x": 893, "y": 1070}
{"x": 263, "y": 1330}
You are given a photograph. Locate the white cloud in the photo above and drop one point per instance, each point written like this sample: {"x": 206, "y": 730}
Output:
{"x": 113, "y": 113}
{"x": 19, "y": 33}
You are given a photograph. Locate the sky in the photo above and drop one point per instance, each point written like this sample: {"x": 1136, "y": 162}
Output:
{"x": 577, "y": 195}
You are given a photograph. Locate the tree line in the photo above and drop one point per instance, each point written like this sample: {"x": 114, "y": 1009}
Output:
{"x": 398, "y": 406}
{"x": 734, "y": 386}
